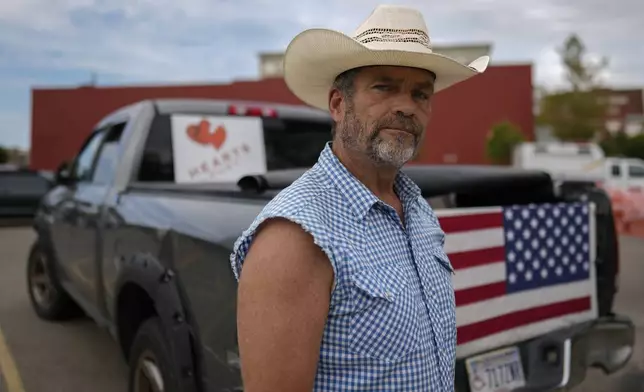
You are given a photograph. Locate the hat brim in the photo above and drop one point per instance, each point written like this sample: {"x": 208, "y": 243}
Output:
{"x": 315, "y": 57}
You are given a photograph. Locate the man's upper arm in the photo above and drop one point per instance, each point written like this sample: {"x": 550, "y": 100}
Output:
{"x": 283, "y": 302}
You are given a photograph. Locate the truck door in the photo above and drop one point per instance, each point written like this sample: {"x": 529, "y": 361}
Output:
{"x": 635, "y": 179}
{"x": 86, "y": 234}
{"x": 65, "y": 213}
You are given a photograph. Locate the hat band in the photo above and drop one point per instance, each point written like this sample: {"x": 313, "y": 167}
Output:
{"x": 394, "y": 35}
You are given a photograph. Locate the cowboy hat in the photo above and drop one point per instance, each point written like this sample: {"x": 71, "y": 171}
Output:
{"x": 391, "y": 35}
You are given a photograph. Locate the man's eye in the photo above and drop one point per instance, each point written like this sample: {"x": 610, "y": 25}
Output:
{"x": 421, "y": 95}
{"x": 382, "y": 87}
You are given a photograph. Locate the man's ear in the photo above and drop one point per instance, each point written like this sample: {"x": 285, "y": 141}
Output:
{"x": 336, "y": 105}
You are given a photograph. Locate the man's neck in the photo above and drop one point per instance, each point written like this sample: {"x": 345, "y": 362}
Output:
{"x": 379, "y": 179}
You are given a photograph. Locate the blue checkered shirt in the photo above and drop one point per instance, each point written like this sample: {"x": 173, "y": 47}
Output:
{"x": 391, "y": 324}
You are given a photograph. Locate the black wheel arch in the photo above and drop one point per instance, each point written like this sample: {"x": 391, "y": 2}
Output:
{"x": 145, "y": 288}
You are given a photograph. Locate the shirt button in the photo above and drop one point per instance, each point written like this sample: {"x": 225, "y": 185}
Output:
{"x": 388, "y": 295}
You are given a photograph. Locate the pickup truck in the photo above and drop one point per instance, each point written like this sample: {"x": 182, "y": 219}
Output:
{"x": 138, "y": 230}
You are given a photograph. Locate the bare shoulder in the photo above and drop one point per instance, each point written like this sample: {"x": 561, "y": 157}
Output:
{"x": 283, "y": 302}
{"x": 284, "y": 250}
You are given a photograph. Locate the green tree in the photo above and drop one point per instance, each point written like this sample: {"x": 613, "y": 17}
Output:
{"x": 501, "y": 141}
{"x": 634, "y": 148}
{"x": 614, "y": 144}
{"x": 4, "y": 155}
{"x": 577, "y": 112}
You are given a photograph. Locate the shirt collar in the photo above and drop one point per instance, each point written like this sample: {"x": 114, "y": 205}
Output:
{"x": 359, "y": 197}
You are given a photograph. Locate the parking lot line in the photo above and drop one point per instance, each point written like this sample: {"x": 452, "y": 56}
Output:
{"x": 8, "y": 369}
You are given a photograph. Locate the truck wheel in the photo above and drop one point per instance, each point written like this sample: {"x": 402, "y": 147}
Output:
{"x": 48, "y": 299}
{"x": 152, "y": 368}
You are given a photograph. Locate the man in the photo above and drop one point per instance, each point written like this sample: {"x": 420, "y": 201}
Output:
{"x": 345, "y": 284}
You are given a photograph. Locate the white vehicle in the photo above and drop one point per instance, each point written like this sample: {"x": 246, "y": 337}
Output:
{"x": 626, "y": 174}
{"x": 563, "y": 161}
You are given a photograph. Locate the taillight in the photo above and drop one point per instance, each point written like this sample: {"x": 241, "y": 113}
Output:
{"x": 255, "y": 111}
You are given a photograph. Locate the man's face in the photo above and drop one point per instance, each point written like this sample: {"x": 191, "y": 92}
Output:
{"x": 386, "y": 116}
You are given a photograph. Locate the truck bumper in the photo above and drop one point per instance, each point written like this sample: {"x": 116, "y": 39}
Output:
{"x": 559, "y": 360}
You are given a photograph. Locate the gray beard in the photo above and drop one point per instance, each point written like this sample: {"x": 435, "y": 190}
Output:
{"x": 382, "y": 152}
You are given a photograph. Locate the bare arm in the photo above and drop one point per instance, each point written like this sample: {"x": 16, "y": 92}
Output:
{"x": 283, "y": 302}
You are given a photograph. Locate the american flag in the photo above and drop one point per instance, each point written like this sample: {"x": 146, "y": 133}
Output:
{"x": 521, "y": 271}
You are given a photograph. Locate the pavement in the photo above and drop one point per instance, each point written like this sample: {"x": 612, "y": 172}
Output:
{"x": 39, "y": 356}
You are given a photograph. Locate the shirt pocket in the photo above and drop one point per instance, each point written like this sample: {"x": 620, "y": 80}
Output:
{"x": 384, "y": 322}
{"x": 446, "y": 301}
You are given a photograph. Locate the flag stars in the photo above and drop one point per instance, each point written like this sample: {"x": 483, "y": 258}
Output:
{"x": 544, "y": 246}
{"x": 511, "y": 257}
{"x": 526, "y": 234}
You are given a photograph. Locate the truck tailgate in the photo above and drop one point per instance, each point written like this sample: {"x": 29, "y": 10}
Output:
{"x": 521, "y": 271}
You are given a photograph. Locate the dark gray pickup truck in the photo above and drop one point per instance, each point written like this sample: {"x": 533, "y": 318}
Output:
{"x": 147, "y": 257}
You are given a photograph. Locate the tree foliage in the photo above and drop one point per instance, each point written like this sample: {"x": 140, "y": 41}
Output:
{"x": 4, "y": 155}
{"x": 621, "y": 145}
{"x": 501, "y": 141}
{"x": 577, "y": 112}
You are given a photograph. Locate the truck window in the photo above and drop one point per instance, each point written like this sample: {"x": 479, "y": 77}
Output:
{"x": 84, "y": 162}
{"x": 294, "y": 143}
{"x": 636, "y": 171}
{"x": 108, "y": 154}
{"x": 616, "y": 170}
{"x": 290, "y": 143}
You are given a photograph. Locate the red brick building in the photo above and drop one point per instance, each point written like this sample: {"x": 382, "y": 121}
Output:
{"x": 462, "y": 115}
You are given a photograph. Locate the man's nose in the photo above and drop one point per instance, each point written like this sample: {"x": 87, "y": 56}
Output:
{"x": 404, "y": 105}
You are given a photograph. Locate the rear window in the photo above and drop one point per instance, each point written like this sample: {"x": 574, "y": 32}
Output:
{"x": 289, "y": 143}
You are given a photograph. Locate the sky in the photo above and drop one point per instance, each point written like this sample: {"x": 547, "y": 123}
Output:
{"x": 60, "y": 43}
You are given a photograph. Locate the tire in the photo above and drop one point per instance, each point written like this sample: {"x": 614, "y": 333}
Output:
{"x": 48, "y": 298}
{"x": 151, "y": 361}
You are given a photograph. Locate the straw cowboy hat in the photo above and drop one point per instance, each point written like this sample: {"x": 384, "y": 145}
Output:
{"x": 391, "y": 35}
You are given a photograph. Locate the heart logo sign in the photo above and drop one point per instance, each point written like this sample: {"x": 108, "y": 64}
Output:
{"x": 201, "y": 133}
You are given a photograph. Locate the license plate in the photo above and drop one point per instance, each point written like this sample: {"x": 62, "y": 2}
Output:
{"x": 497, "y": 371}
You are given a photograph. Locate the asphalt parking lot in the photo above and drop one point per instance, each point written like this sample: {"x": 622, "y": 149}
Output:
{"x": 37, "y": 356}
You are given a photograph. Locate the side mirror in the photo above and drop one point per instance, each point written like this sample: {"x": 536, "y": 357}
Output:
{"x": 63, "y": 173}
